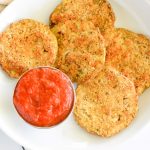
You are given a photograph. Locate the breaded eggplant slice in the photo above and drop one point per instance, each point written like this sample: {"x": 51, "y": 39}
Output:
{"x": 106, "y": 103}
{"x": 26, "y": 44}
{"x": 97, "y": 11}
{"x": 129, "y": 53}
{"x": 81, "y": 49}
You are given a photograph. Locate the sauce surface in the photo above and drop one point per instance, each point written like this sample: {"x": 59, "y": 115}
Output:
{"x": 44, "y": 97}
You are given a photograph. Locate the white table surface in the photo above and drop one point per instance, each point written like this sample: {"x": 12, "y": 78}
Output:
{"x": 138, "y": 142}
{"x": 7, "y": 144}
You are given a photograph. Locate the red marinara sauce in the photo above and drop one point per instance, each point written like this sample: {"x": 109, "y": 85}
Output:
{"x": 44, "y": 96}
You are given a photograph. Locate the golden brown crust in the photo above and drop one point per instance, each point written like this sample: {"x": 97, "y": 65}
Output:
{"x": 26, "y": 44}
{"x": 106, "y": 104}
{"x": 129, "y": 53}
{"x": 81, "y": 48}
{"x": 97, "y": 11}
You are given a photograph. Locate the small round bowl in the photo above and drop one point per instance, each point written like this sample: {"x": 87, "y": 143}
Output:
{"x": 72, "y": 103}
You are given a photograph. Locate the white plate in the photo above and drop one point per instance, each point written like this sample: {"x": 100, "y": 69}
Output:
{"x": 130, "y": 14}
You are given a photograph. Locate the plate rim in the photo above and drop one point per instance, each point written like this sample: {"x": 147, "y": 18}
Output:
{"x": 15, "y": 138}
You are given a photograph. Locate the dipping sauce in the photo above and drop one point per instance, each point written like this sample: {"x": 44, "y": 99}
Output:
{"x": 44, "y": 96}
